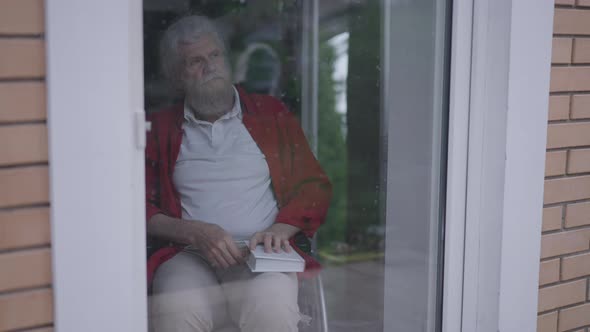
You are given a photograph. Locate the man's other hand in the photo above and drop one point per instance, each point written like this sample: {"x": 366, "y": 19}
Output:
{"x": 216, "y": 245}
{"x": 274, "y": 238}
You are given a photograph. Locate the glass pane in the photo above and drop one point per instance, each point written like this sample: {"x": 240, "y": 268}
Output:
{"x": 417, "y": 103}
{"x": 368, "y": 83}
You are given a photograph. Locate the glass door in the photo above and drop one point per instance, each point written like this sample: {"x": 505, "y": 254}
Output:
{"x": 368, "y": 81}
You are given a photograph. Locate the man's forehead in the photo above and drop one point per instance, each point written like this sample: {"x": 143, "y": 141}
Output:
{"x": 203, "y": 43}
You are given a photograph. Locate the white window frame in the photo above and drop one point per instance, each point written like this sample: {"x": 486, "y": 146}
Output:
{"x": 499, "y": 90}
{"x": 501, "y": 55}
{"x": 95, "y": 113}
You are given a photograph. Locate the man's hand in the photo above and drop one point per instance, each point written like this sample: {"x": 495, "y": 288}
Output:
{"x": 274, "y": 238}
{"x": 214, "y": 242}
{"x": 216, "y": 245}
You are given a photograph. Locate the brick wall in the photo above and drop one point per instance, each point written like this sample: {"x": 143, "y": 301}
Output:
{"x": 26, "y": 302}
{"x": 564, "y": 292}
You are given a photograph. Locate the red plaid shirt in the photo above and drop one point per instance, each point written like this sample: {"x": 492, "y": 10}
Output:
{"x": 301, "y": 187}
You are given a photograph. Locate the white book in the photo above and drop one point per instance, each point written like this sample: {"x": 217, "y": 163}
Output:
{"x": 260, "y": 261}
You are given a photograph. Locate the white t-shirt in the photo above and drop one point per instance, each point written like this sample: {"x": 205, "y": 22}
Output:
{"x": 222, "y": 175}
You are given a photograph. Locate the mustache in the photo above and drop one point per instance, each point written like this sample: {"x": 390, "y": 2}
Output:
{"x": 212, "y": 77}
{"x": 202, "y": 86}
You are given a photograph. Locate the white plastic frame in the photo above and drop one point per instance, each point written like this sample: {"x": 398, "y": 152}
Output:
{"x": 498, "y": 123}
{"x": 95, "y": 112}
{"x": 499, "y": 90}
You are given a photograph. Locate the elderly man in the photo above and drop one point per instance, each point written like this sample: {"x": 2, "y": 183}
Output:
{"x": 224, "y": 166}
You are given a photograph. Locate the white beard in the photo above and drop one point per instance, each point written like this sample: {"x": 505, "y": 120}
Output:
{"x": 213, "y": 98}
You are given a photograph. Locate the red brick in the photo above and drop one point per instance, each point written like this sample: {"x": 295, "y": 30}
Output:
{"x": 23, "y": 228}
{"x": 576, "y": 266}
{"x": 561, "y": 52}
{"x": 581, "y": 106}
{"x": 581, "y": 50}
{"x": 579, "y": 161}
{"x": 26, "y": 309}
{"x": 574, "y": 317}
{"x": 22, "y": 101}
{"x": 562, "y": 243}
{"x": 24, "y": 186}
{"x": 565, "y": 79}
{"x": 555, "y": 163}
{"x": 564, "y": 135}
{"x": 547, "y": 322}
{"x": 552, "y": 218}
{"x": 549, "y": 272}
{"x": 21, "y": 17}
{"x": 571, "y": 21}
{"x": 567, "y": 189}
{"x": 23, "y": 144}
{"x": 559, "y": 107}
{"x": 577, "y": 214}
{"x": 22, "y": 58}
{"x": 561, "y": 295}
{"x": 25, "y": 269}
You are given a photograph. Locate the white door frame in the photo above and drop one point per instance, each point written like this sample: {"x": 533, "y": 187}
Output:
{"x": 499, "y": 92}
{"x": 95, "y": 108}
{"x": 498, "y": 125}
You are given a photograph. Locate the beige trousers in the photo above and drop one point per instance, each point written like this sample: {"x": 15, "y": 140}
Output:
{"x": 188, "y": 295}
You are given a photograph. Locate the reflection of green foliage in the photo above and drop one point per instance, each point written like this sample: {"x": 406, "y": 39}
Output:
{"x": 262, "y": 68}
{"x": 252, "y": 22}
{"x": 331, "y": 149}
{"x": 363, "y": 125}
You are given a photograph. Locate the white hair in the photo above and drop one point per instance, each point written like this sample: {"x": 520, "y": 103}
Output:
{"x": 186, "y": 30}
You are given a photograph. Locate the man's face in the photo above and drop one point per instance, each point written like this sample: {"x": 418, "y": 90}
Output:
{"x": 205, "y": 67}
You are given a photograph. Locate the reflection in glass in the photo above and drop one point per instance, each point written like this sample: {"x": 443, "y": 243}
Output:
{"x": 337, "y": 65}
